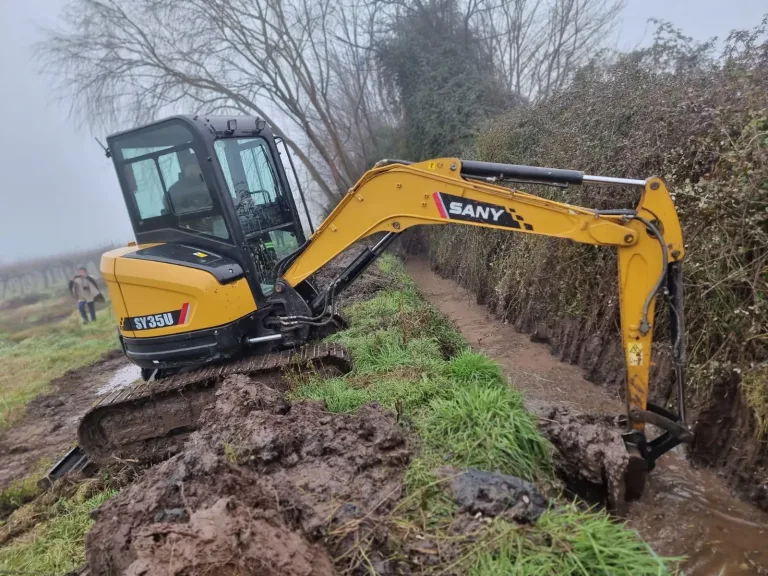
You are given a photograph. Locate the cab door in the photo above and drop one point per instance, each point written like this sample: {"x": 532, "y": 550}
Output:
{"x": 262, "y": 202}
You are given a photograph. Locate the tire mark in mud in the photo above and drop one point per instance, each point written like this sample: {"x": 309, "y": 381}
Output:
{"x": 684, "y": 512}
{"x": 49, "y": 425}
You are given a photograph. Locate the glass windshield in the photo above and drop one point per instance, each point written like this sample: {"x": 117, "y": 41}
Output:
{"x": 262, "y": 206}
{"x": 163, "y": 175}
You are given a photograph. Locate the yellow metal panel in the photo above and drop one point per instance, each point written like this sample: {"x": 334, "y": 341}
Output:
{"x": 107, "y": 268}
{"x": 149, "y": 287}
{"x": 640, "y": 266}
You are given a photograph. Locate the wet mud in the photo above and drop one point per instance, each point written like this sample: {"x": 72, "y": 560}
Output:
{"x": 148, "y": 422}
{"x": 262, "y": 488}
{"x": 685, "y": 511}
{"x": 591, "y": 457}
{"x": 494, "y": 494}
{"x": 49, "y": 425}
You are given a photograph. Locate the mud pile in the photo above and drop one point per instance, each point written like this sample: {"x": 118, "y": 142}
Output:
{"x": 256, "y": 489}
{"x": 590, "y": 457}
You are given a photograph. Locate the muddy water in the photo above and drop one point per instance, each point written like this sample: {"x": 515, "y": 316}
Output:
{"x": 684, "y": 512}
{"x": 122, "y": 377}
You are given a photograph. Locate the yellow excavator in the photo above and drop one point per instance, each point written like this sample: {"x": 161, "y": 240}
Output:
{"x": 220, "y": 278}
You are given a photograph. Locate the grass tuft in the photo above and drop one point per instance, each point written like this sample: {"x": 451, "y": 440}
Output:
{"x": 470, "y": 368}
{"x": 56, "y": 545}
{"x": 568, "y": 541}
{"x": 18, "y": 493}
{"x": 487, "y": 428}
{"x": 23, "y": 490}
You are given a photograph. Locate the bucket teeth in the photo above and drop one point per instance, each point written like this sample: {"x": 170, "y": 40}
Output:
{"x": 146, "y": 420}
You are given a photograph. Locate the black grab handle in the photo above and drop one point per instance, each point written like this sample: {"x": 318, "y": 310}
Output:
{"x": 475, "y": 169}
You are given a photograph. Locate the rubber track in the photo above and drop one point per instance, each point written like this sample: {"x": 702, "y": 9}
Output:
{"x": 97, "y": 442}
{"x": 334, "y": 353}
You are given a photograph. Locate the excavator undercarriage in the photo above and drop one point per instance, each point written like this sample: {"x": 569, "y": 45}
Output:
{"x": 148, "y": 421}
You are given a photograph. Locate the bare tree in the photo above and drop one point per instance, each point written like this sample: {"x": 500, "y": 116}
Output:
{"x": 538, "y": 45}
{"x": 283, "y": 60}
{"x": 308, "y": 67}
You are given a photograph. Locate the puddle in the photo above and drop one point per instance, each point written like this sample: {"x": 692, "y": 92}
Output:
{"x": 684, "y": 511}
{"x": 120, "y": 379}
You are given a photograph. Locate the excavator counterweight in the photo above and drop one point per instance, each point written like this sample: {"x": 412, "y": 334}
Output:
{"x": 221, "y": 269}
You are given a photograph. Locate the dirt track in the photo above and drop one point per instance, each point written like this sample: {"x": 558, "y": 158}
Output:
{"x": 49, "y": 425}
{"x": 684, "y": 511}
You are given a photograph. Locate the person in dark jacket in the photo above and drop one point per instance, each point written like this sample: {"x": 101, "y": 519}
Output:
{"x": 84, "y": 289}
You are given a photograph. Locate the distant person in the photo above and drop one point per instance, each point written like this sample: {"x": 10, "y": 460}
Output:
{"x": 84, "y": 289}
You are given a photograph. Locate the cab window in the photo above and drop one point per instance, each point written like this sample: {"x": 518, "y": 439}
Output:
{"x": 262, "y": 206}
{"x": 164, "y": 178}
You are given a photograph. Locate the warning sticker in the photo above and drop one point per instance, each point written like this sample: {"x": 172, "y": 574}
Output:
{"x": 431, "y": 165}
{"x": 635, "y": 354}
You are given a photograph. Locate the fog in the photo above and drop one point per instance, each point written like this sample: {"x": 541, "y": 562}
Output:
{"x": 58, "y": 191}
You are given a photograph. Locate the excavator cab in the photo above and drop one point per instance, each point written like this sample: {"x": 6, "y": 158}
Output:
{"x": 214, "y": 184}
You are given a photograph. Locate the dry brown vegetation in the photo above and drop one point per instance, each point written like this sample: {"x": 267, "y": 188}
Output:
{"x": 672, "y": 111}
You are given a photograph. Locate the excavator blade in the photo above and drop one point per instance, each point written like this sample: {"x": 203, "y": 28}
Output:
{"x": 148, "y": 421}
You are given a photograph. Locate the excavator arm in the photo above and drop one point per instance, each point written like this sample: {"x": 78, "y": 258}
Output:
{"x": 396, "y": 195}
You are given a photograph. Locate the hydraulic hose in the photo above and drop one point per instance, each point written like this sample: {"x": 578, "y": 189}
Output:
{"x": 645, "y": 324}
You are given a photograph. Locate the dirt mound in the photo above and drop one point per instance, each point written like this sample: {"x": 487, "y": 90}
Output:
{"x": 494, "y": 494}
{"x": 256, "y": 487}
{"x": 199, "y": 514}
{"x": 591, "y": 456}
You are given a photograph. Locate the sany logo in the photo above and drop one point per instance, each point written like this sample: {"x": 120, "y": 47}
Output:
{"x": 475, "y": 211}
{"x": 479, "y": 212}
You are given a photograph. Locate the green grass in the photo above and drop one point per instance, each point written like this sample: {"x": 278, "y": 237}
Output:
{"x": 461, "y": 411}
{"x": 566, "y": 541}
{"x": 18, "y": 493}
{"x": 45, "y": 352}
{"x": 487, "y": 428}
{"x": 23, "y": 490}
{"x": 54, "y": 546}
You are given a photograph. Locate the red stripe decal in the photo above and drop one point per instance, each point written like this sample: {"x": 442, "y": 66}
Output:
{"x": 440, "y": 206}
{"x": 183, "y": 313}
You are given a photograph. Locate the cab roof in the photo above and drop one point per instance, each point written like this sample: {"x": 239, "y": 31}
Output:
{"x": 211, "y": 126}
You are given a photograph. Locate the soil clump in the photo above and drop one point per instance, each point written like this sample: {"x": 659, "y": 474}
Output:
{"x": 262, "y": 488}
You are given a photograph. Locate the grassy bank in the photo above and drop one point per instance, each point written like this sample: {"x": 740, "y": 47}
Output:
{"x": 461, "y": 412}
{"x": 46, "y": 536}
{"x": 39, "y": 342}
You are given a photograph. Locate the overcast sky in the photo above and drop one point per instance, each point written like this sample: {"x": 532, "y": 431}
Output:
{"x": 58, "y": 192}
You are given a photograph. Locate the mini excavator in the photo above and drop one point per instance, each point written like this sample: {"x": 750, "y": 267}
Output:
{"x": 220, "y": 278}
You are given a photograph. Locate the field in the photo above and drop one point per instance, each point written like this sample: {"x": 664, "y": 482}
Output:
{"x": 41, "y": 337}
{"x": 433, "y": 408}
